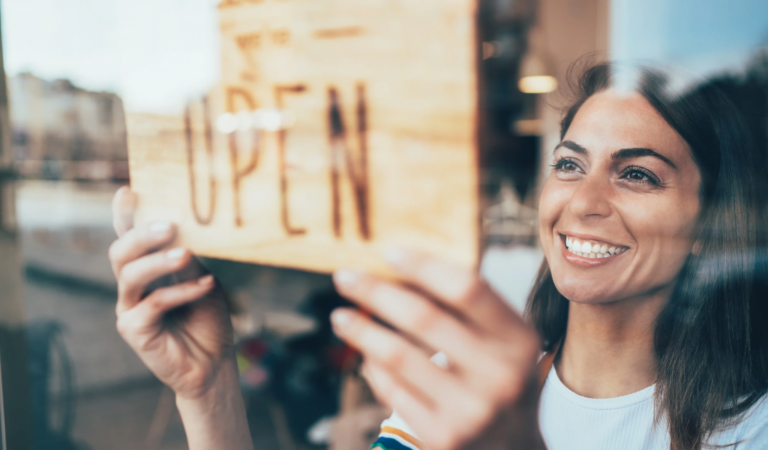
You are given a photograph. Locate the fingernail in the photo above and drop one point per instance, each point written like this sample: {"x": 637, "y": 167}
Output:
{"x": 396, "y": 256}
{"x": 121, "y": 192}
{"x": 340, "y": 318}
{"x": 346, "y": 277}
{"x": 206, "y": 280}
{"x": 159, "y": 228}
{"x": 175, "y": 253}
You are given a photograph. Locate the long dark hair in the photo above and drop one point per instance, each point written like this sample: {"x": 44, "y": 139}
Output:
{"x": 711, "y": 339}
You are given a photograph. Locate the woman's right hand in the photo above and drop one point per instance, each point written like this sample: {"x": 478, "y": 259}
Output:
{"x": 182, "y": 331}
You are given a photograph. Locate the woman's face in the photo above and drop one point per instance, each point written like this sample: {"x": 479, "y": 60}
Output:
{"x": 618, "y": 210}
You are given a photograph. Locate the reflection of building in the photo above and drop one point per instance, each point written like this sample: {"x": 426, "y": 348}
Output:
{"x": 62, "y": 131}
{"x": 527, "y": 40}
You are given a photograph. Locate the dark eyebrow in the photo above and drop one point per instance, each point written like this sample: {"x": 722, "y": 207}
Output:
{"x": 573, "y": 146}
{"x": 625, "y": 153}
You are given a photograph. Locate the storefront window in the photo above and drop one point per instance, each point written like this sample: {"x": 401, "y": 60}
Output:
{"x": 287, "y": 139}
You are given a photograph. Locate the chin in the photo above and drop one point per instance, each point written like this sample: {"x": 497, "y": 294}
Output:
{"x": 581, "y": 291}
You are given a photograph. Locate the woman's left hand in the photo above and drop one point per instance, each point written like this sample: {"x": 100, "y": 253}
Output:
{"x": 487, "y": 397}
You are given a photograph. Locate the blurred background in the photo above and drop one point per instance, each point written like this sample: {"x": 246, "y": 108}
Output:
{"x": 73, "y": 71}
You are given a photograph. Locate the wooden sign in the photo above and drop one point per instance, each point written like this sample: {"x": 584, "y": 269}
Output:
{"x": 340, "y": 127}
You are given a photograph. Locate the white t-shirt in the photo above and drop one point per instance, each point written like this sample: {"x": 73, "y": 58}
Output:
{"x": 571, "y": 422}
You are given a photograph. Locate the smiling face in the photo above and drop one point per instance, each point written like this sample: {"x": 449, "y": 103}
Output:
{"x": 618, "y": 211}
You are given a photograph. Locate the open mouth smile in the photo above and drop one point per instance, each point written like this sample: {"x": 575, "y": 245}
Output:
{"x": 589, "y": 252}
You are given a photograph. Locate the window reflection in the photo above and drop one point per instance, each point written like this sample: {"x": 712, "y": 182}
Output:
{"x": 80, "y": 72}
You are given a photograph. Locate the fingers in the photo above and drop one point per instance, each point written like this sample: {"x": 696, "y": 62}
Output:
{"x": 404, "y": 378}
{"x": 411, "y": 313}
{"x": 484, "y": 364}
{"x": 457, "y": 288}
{"x": 151, "y": 309}
{"x": 491, "y": 351}
{"x": 448, "y": 427}
{"x": 396, "y": 354}
{"x": 393, "y": 394}
{"x": 137, "y": 275}
{"x": 123, "y": 209}
{"x": 137, "y": 242}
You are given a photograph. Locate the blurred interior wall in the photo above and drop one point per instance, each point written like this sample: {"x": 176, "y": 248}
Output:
{"x": 16, "y": 406}
{"x": 571, "y": 29}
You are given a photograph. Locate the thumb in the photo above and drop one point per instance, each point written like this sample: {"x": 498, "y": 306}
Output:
{"x": 123, "y": 210}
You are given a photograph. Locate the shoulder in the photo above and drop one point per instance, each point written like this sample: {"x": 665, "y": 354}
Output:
{"x": 751, "y": 432}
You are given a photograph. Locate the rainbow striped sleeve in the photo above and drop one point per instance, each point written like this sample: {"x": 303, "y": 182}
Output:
{"x": 396, "y": 435}
{"x": 395, "y": 439}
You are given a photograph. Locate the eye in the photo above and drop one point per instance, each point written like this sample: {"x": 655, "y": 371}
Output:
{"x": 566, "y": 165}
{"x": 640, "y": 175}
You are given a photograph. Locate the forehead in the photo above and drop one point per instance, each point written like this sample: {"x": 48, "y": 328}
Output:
{"x": 609, "y": 121}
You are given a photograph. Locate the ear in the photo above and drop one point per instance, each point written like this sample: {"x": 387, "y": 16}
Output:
{"x": 696, "y": 249}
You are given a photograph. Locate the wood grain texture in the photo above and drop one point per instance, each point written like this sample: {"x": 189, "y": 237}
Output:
{"x": 381, "y": 98}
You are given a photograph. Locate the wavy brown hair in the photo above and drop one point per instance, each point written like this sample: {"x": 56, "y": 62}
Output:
{"x": 711, "y": 339}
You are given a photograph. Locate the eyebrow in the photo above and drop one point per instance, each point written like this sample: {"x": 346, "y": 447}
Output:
{"x": 625, "y": 153}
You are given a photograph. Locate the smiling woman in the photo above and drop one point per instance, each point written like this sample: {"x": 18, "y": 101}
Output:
{"x": 649, "y": 302}
{"x": 672, "y": 184}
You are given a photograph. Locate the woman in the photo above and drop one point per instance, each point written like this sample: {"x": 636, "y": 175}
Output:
{"x": 650, "y": 302}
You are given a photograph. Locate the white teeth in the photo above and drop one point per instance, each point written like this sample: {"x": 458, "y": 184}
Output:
{"x": 590, "y": 250}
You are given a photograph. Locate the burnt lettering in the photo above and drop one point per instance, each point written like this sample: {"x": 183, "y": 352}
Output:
{"x": 281, "y": 37}
{"x": 201, "y": 219}
{"x": 333, "y": 33}
{"x": 352, "y": 158}
{"x": 281, "y": 135}
{"x": 341, "y": 154}
{"x": 238, "y": 173}
{"x": 231, "y": 3}
{"x": 248, "y": 41}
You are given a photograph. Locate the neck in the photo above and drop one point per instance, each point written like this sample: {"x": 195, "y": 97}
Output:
{"x": 608, "y": 349}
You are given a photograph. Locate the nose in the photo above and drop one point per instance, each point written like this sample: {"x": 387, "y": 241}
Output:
{"x": 591, "y": 198}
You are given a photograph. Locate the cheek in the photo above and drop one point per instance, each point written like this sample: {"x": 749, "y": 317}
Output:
{"x": 664, "y": 234}
{"x": 554, "y": 198}
{"x": 668, "y": 223}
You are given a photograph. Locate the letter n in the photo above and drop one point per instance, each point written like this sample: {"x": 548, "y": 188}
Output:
{"x": 341, "y": 154}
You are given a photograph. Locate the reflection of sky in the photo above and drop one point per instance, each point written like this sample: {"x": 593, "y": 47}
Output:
{"x": 154, "y": 53}
{"x": 701, "y": 36}
{"x": 158, "y": 53}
